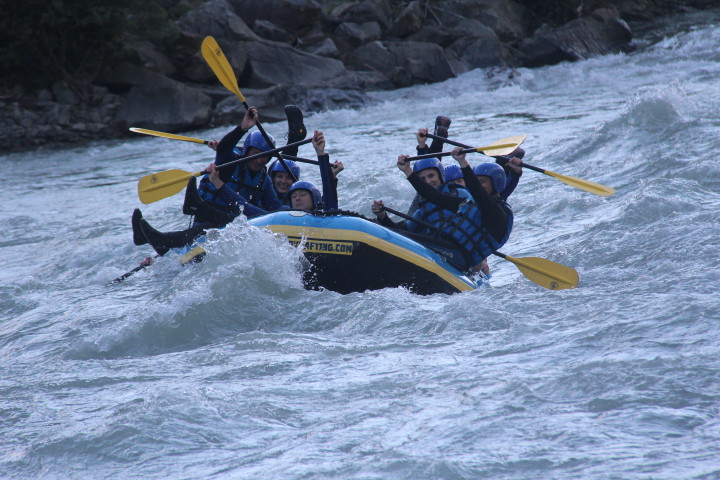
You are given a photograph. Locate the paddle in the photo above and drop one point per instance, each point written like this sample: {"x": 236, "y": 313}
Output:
{"x": 157, "y": 186}
{"x": 143, "y": 265}
{"x": 591, "y": 187}
{"x": 503, "y": 146}
{"x": 199, "y": 140}
{"x": 215, "y": 58}
{"x": 540, "y": 271}
{"x": 167, "y": 135}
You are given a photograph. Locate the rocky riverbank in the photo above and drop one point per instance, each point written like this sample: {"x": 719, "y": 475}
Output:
{"x": 313, "y": 54}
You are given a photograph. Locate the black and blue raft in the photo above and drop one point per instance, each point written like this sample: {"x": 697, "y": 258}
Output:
{"x": 348, "y": 253}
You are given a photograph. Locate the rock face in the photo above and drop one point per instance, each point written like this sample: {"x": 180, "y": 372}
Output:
{"x": 318, "y": 55}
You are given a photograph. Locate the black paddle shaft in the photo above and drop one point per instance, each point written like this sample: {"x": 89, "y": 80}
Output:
{"x": 274, "y": 151}
{"x": 267, "y": 139}
{"x": 458, "y": 144}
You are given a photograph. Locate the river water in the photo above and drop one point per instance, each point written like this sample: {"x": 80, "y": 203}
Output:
{"x": 230, "y": 369}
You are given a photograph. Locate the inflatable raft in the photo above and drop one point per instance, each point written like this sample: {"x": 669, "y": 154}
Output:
{"x": 349, "y": 253}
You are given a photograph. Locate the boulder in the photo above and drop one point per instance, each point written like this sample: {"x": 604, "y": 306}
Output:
{"x": 216, "y": 18}
{"x": 505, "y": 17}
{"x": 268, "y": 101}
{"x": 355, "y": 34}
{"x": 295, "y": 16}
{"x": 272, "y": 63}
{"x": 269, "y": 31}
{"x": 152, "y": 57}
{"x": 365, "y": 11}
{"x": 326, "y": 48}
{"x": 598, "y": 34}
{"x": 409, "y": 21}
{"x": 163, "y": 104}
{"x": 435, "y": 34}
{"x": 404, "y": 63}
{"x": 479, "y": 46}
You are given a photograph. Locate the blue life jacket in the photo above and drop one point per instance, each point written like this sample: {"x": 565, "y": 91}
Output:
{"x": 242, "y": 182}
{"x": 430, "y": 213}
{"x": 466, "y": 228}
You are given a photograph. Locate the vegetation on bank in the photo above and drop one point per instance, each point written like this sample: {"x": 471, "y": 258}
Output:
{"x": 42, "y": 41}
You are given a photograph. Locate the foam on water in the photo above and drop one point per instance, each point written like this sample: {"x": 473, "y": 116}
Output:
{"x": 229, "y": 368}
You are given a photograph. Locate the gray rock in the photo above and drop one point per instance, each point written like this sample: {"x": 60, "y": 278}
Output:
{"x": 597, "y": 34}
{"x": 152, "y": 57}
{"x": 269, "y": 31}
{"x": 435, "y": 34}
{"x": 272, "y": 63}
{"x": 365, "y": 11}
{"x": 409, "y": 21}
{"x": 295, "y": 16}
{"x": 481, "y": 52}
{"x": 165, "y": 105}
{"x": 505, "y": 17}
{"x": 356, "y": 34}
{"x": 326, "y": 49}
{"x": 216, "y": 18}
{"x": 404, "y": 63}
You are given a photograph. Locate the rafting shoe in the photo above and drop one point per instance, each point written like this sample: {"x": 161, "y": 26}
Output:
{"x": 138, "y": 235}
{"x": 296, "y": 127}
{"x": 192, "y": 202}
{"x": 442, "y": 124}
{"x": 155, "y": 238}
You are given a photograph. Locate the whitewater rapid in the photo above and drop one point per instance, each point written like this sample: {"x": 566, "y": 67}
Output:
{"x": 230, "y": 369}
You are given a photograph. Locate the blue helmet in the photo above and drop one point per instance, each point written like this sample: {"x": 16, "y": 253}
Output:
{"x": 452, "y": 172}
{"x": 426, "y": 163}
{"x": 256, "y": 140}
{"x": 278, "y": 167}
{"x": 316, "y": 195}
{"x": 495, "y": 172}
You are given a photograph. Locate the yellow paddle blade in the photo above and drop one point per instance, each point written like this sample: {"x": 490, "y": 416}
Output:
{"x": 214, "y": 56}
{"x": 546, "y": 273}
{"x": 504, "y": 146}
{"x": 166, "y": 135}
{"x": 586, "y": 185}
{"x": 157, "y": 186}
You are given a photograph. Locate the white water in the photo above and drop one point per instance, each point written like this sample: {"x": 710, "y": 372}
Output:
{"x": 230, "y": 369}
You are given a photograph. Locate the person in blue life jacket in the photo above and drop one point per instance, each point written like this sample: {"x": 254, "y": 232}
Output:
{"x": 430, "y": 171}
{"x": 282, "y": 181}
{"x": 442, "y": 124}
{"x": 223, "y": 193}
{"x": 304, "y": 196}
{"x": 476, "y": 220}
{"x": 453, "y": 174}
{"x": 513, "y": 171}
{"x": 327, "y": 200}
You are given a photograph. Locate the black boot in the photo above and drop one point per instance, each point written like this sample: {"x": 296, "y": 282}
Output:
{"x": 192, "y": 198}
{"x": 441, "y": 130}
{"x": 138, "y": 235}
{"x": 163, "y": 242}
{"x": 296, "y": 127}
{"x": 156, "y": 239}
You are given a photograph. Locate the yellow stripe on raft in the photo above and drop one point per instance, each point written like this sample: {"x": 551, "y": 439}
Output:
{"x": 385, "y": 246}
